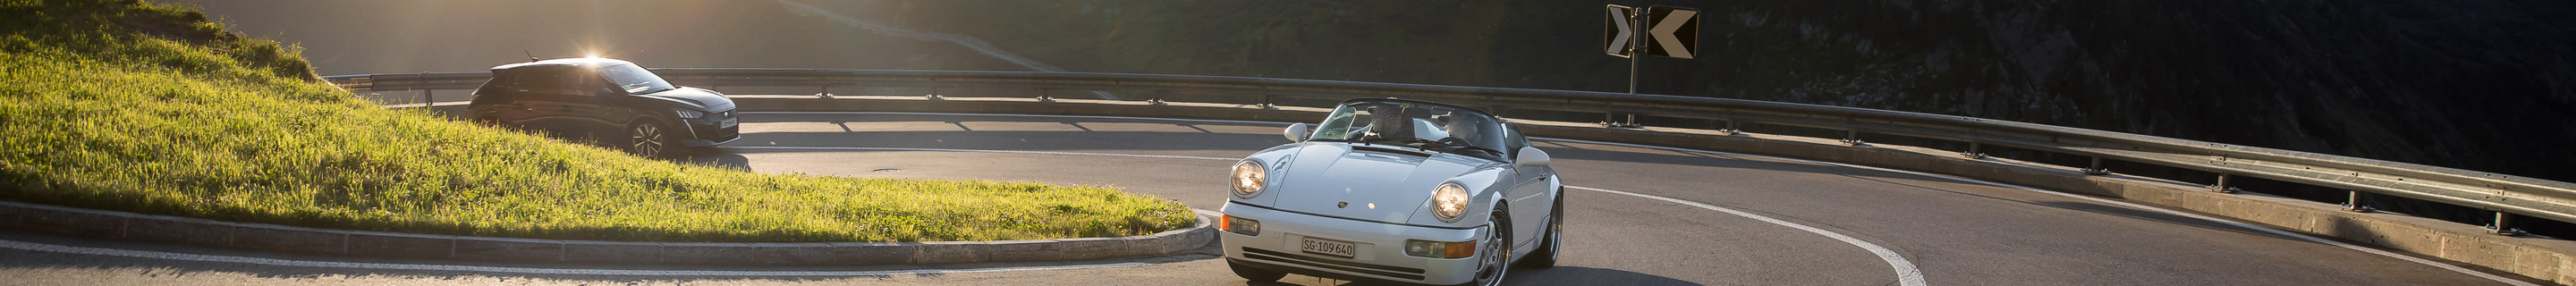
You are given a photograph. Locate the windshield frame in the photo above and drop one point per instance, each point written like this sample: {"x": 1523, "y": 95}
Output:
{"x": 633, "y": 79}
{"x": 1357, "y": 121}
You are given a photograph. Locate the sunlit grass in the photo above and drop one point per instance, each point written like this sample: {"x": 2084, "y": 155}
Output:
{"x": 98, "y": 115}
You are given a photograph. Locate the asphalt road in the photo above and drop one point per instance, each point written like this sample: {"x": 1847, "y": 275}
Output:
{"x": 1749, "y": 220}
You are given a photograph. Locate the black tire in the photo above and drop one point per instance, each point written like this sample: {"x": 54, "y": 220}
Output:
{"x": 1554, "y": 238}
{"x": 649, "y": 139}
{"x": 1254, "y": 274}
{"x": 1496, "y": 252}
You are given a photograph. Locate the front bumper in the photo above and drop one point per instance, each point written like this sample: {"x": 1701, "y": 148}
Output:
{"x": 1379, "y": 247}
{"x": 705, "y": 132}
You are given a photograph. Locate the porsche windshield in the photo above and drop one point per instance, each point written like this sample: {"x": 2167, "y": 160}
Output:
{"x": 1414, "y": 124}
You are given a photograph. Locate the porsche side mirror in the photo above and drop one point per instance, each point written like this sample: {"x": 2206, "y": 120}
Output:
{"x": 1296, "y": 132}
{"x": 1529, "y": 157}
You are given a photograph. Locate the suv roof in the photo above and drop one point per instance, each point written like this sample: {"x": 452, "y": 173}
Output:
{"x": 591, "y": 63}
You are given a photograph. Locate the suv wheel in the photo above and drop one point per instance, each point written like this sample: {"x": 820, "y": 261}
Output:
{"x": 648, "y": 139}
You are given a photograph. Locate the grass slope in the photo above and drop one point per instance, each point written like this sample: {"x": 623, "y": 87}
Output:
{"x": 130, "y": 106}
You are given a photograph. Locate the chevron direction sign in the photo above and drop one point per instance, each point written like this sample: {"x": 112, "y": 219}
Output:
{"x": 1618, "y": 29}
{"x": 1674, "y": 31}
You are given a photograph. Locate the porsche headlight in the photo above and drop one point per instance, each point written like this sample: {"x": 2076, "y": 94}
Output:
{"x": 1449, "y": 203}
{"x": 1249, "y": 177}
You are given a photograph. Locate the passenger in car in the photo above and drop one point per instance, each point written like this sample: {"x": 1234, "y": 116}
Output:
{"x": 1460, "y": 128}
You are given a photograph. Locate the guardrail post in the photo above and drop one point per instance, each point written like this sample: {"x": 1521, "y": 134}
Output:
{"x": 1157, "y": 99}
{"x": 2352, "y": 203}
{"x": 2504, "y": 225}
{"x": 1045, "y": 96}
{"x": 1611, "y": 119}
{"x": 424, "y": 93}
{"x": 824, "y": 91}
{"x": 1852, "y": 137}
{"x": 2097, "y": 168}
{"x": 1265, "y": 101}
{"x": 2221, "y": 186}
{"x": 1973, "y": 152}
{"x": 934, "y": 94}
{"x": 1730, "y": 127}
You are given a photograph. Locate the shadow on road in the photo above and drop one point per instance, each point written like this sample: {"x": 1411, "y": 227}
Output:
{"x": 1575, "y": 275}
{"x": 1560, "y": 275}
{"x": 2143, "y": 215}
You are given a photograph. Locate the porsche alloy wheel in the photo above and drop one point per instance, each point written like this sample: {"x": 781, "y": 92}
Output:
{"x": 1496, "y": 256}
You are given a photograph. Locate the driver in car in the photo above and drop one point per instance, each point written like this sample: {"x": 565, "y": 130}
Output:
{"x": 1461, "y": 130}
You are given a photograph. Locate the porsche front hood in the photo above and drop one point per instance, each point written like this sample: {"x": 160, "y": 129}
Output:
{"x": 1382, "y": 184}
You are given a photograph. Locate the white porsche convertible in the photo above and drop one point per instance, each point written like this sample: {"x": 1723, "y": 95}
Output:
{"x": 1399, "y": 190}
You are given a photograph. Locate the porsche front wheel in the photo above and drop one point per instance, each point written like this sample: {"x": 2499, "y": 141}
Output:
{"x": 1495, "y": 253}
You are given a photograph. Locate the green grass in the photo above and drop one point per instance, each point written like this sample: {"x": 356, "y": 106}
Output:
{"x": 129, "y": 106}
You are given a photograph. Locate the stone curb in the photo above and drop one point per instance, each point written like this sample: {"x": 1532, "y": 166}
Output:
{"x": 305, "y": 240}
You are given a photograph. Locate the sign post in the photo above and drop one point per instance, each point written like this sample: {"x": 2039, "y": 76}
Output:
{"x": 1675, "y": 32}
{"x": 1620, "y": 34}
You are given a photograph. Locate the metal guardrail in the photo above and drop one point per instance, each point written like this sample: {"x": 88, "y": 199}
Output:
{"x": 2496, "y": 192}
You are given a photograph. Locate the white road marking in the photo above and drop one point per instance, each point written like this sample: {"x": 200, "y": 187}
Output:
{"x": 1906, "y": 274}
{"x": 526, "y": 270}
{"x": 2446, "y": 266}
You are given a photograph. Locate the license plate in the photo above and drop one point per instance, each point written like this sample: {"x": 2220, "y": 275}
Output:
{"x": 727, "y": 123}
{"x": 1328, "y": 247}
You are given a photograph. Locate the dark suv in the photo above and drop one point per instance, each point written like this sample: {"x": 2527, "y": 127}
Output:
{"x": 610, "y": 101}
